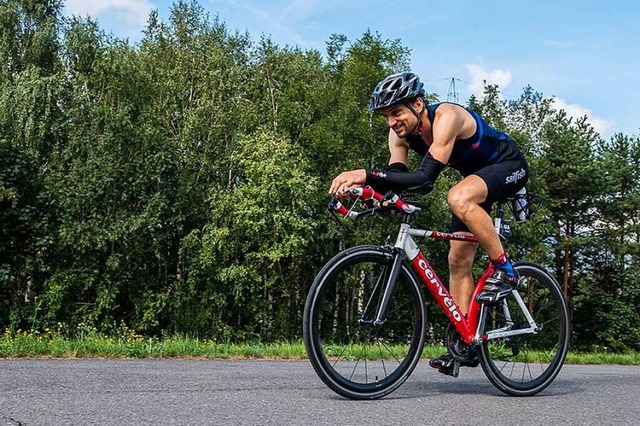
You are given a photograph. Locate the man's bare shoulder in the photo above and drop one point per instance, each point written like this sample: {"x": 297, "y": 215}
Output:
{"x": 457, "y": 117}
{"x": 446, "y": 108}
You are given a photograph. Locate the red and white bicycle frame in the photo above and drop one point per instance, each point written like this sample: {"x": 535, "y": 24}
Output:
{"x": 469, "y": 327}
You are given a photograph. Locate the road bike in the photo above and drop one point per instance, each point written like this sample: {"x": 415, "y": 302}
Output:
{"x": 365, "y": 321}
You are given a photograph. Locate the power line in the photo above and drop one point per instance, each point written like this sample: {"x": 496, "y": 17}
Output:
{"x": 453, "y": 94}
{"x": 446, "y": 79}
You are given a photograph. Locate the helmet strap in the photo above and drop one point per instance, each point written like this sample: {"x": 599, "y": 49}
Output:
{"x": 418, "y": 126}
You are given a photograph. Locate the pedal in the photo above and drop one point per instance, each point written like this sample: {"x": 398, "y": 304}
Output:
{"x": 452, "y": 369}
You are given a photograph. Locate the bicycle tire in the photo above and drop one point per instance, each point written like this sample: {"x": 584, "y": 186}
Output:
{"x": 355, "y": 360}
{"x": 526, "y": 364}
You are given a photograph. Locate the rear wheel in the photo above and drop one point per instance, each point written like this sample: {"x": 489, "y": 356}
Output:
{"x": 525, "y": 364}
{"x": 351, "y": 355}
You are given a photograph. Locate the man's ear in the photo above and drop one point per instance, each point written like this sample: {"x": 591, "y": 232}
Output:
{"x": 418, "y": 103}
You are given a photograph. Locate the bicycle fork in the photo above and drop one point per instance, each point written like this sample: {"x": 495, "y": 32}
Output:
{"x": 385, "y": 284}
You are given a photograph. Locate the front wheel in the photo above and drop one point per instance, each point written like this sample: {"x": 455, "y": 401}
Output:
{"x": 519, "y": 362}
{"x": 353, "y": 356}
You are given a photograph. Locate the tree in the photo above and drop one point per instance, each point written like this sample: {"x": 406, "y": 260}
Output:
{"x": 249, "y": 267}
{"x": 30, "y": 117}
{"x": 609, "y": 296}
{"x": 28, "y": 36}
{"x": 567, "y": 168}
{"x": 21, "y": 223}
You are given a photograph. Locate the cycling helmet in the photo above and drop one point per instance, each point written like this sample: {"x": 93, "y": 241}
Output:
{"x": 404, "y": 86}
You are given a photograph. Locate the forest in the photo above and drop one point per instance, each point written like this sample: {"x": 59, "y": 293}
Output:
{"x": 179, "y": 185}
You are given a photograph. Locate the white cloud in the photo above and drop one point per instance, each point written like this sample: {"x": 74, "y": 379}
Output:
{"x": 503, "y": 79}
{"x": 134, "y": 11}
{"x": 479, "y": 76}
{"x": 602, "y": 126}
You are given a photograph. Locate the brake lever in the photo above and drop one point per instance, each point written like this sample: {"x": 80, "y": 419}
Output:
{"x": 332, "y": 205}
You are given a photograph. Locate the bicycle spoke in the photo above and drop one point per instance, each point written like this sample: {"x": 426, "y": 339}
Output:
{"x": 384, "y": 368}
{"x": 390, "y": 353}
{"x": 366, "y": 375}
{"x": 340, "y": 356}
{"x": 354, "y": 370}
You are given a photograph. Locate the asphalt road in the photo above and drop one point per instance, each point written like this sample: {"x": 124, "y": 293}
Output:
{"x": 259, "y": 392}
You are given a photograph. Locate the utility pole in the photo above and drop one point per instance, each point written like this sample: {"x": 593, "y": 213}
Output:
{"x": 452, "y": 94}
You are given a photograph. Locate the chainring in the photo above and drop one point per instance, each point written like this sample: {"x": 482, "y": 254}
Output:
{"x": 457, "y": 348}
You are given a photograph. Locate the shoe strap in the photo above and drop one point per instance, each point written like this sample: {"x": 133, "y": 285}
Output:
{"x": 501, "y": 275}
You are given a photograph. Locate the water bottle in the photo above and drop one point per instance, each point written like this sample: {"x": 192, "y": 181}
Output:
{"x": 520, "y": 206}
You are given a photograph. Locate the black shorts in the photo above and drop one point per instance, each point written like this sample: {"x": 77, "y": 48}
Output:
{"x": 503, "y": 181}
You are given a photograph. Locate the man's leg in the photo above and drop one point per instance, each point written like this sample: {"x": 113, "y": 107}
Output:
{"x": 465, "y": 199}
{"x": 461, "y": 256}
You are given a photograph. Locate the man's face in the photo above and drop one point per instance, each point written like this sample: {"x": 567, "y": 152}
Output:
{"x": 400, "y": 119}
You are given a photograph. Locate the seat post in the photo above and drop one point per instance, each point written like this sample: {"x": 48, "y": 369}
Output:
{"x": 502, "y": 227}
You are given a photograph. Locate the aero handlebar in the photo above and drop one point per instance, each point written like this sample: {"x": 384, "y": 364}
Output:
{"x": 387, "y": 202}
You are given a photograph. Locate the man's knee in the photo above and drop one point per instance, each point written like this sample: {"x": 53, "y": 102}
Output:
{"x": 456, "y": 199}
{"x": 467, "y": 194}
{"x": 460, "y": 199}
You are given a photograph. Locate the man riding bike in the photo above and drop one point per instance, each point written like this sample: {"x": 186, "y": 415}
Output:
{"x": 446, "y": 134}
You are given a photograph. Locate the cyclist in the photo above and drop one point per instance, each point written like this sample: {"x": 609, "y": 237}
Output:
{"x": 446, "y": 134}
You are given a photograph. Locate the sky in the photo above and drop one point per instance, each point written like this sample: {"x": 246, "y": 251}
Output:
{"x": 584, "y": 54}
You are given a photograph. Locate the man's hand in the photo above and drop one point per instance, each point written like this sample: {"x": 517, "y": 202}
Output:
{"x": 348, "y": 180}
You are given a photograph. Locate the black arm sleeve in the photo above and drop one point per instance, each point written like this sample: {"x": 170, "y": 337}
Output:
{"x": 382, "y": 187}
{"x": 421, "y": 180}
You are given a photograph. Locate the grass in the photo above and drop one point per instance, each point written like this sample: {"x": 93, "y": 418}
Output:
{"x": 93, "y": 345}
{"x": 96, "y": 346}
